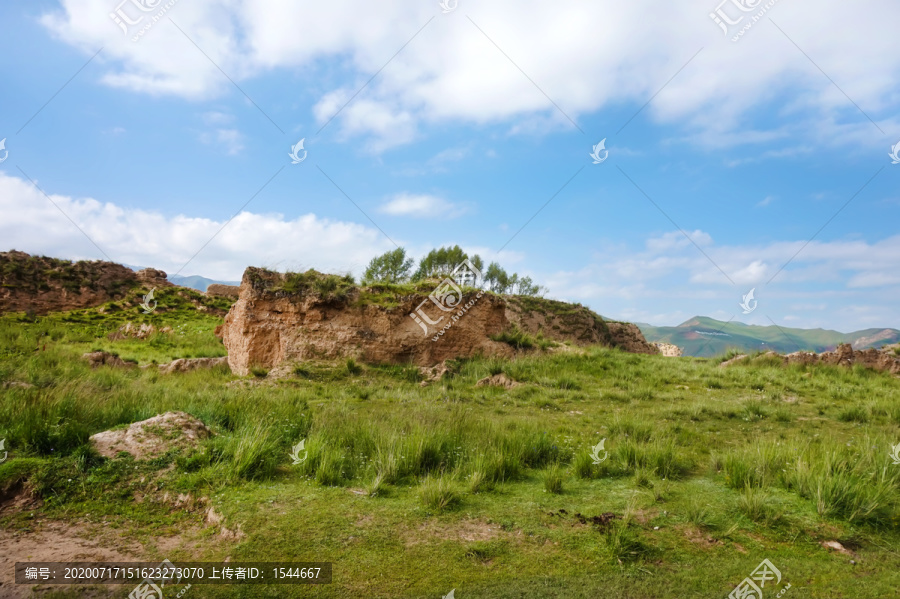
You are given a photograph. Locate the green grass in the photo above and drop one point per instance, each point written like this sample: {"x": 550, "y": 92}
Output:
{"x": 758, "y": 461}
{"x": 519, "y": 339}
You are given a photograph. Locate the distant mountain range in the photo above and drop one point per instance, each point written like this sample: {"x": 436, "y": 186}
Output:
{"x": 197, "y": 282}
{"x": 193, "y": 282}
{"x": 706, "y": 337}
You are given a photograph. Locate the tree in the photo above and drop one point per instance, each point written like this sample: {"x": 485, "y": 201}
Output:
{"x": 525, "y": 286}
{"x": 496, "y": 278}
{"x": 440, "y": 263}
{"x": 499, "y": 281}
{"x": 390, "y": 267}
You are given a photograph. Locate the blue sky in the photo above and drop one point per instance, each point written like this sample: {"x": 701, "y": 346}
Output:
{"x": 725, "y": 157}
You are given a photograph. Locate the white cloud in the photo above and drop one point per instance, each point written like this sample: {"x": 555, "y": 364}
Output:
{"x": 420, "y": 206}
{"x": 590, "y": 56}
{"x": 33, "y": 224}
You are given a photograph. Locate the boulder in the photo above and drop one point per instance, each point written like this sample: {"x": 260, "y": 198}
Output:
{"x": 153, "y": 437}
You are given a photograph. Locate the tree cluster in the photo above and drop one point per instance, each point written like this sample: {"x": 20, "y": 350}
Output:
{"x": 396, "y": 267}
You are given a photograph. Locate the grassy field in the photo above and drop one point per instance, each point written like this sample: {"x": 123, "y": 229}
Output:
{"x": 412, "y": 490}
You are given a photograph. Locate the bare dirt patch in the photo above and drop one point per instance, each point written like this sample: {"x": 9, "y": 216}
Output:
{"x": 698, "y": 537}
{"x": 58, "y": 542}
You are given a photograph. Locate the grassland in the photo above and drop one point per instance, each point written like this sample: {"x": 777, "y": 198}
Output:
{"x": 412, "y": 491}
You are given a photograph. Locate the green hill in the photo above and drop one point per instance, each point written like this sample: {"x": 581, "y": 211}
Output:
{"x": 704, "y": 337}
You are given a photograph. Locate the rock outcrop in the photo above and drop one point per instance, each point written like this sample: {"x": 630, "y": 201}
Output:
{"x": 153, "y": 277}
{"x": 268, "y": 326}
{"x": 668, "y": 350}
{"x": 229, "y": 291}
{"x": 291, "y": 318}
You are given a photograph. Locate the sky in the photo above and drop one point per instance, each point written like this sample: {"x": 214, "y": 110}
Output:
{"x": 745, "y": 145}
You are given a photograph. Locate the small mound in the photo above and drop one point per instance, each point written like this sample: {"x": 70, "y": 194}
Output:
{"x": 152, "y": 437}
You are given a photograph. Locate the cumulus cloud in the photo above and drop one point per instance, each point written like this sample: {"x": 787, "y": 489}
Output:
{"x": 465, "y": 66}
{"x": 32, "y": 223}
{"x": 420, "y": 206}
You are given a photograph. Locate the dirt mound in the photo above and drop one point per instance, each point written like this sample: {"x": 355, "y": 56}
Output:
{"x": 628, "y": 337}
{"x": 40, "y": 285}
{"x": 283, "y": 318}
{"x": 574, "y": 323}
{"x": 152, "y": 437}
